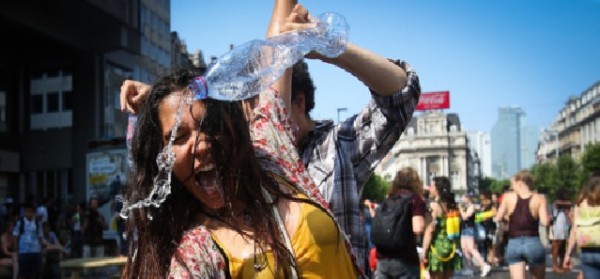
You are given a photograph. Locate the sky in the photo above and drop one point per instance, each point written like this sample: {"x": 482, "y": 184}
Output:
{"x": 534, "y": 54}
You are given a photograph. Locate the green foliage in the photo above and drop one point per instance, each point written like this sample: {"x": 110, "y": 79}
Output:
{"x": 590, "y": 159}
{"x": 375, "y": 189}
{"x": 545, "y": 177}
{"x": 492, "y": 184}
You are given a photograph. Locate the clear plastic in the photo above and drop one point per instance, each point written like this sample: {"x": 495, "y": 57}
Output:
{"x": 252, "y": 67}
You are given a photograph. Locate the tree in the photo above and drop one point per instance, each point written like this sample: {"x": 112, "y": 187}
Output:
{"x": 375, "y": 189}
{"x": 492, "y": 184}
{"x": 590, "y": 159}
{"x": 567, "y": 174}
{"x": 545, "y": 177}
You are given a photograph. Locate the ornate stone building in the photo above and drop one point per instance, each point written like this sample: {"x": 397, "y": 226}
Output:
{"x": 576, "y": 125}
{"x": 434, "y": 144}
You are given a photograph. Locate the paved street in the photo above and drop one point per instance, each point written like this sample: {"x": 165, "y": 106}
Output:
{"x": 503, "y": 273}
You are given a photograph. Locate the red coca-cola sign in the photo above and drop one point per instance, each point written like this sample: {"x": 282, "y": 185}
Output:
{"x": 434, "y": 100}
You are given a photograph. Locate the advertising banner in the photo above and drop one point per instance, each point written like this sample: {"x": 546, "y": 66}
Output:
{"x": 434, "y": 100}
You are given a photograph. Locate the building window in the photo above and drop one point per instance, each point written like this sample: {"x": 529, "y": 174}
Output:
{"x": 37, "y": 104}
{"x": 67, "y": 101}
{"x": 52, "y": 102}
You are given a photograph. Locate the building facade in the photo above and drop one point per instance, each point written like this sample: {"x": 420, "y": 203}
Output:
{"x": 434, "y": 145}
{"x": 61, "y": 128}
{"x": 576, "y": 125}
{"x": 481, "y": 146}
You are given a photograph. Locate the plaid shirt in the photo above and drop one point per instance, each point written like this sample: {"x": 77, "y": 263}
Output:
{"x": 340, "y": 158}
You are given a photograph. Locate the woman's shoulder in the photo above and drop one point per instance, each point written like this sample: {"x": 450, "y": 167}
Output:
{"x": 197, "y": 256}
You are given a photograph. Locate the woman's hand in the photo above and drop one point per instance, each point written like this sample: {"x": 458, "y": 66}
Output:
{"x": 567, "y": 264}
{"x": 133, "y": 94}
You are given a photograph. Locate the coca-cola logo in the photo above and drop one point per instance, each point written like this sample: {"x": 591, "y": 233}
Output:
{"x": 434, "y": 100}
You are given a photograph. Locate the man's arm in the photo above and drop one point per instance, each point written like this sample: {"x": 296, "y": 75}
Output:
{"x": 376, "y": 72}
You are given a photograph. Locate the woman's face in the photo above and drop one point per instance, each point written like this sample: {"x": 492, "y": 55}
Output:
{"x": 194, "y": 166}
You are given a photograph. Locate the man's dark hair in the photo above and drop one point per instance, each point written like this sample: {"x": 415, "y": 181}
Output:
{"x": 302, "y": 82}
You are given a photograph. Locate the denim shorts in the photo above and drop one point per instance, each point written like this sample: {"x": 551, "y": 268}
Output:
{"x": 527, "y": 249}
{"x": 468, "y": 231}
{"x": 590, "y": 262}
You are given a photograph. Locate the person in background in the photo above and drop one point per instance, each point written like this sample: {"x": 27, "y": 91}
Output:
{"x": 439, "y": 247}
{"x": 467, "y": 211}
{"x": 52, "y": 253}
{"x": 92, "y": 230}
{"x": 369, "y": 213}
{"x": 485, "y": 245}
{"x": 8, "y": 254}
{"x": 405, "y": 263}
{"x": 501, "y": 231}
{"x": 559, "y": 227}
{"x": 6, "y": 210}
{"x": 75, "y": 223}
{"x": 586, "y": 230}
{"x": 42, "y": 211}
{"x": 526, "y": 210}
{"x": 28, "y": 242}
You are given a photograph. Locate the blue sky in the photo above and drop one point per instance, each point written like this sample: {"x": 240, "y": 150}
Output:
{"x": 487, "y": 53}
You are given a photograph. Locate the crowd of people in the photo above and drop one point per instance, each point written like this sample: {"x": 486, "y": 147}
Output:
{"x": 37, "y": 236}
{"x": 497, "y": 229}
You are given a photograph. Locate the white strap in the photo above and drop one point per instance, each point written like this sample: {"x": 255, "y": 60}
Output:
{"x": 282, "y": 231}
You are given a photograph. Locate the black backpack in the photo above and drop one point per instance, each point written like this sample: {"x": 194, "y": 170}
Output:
{"x": 391, "y": 229}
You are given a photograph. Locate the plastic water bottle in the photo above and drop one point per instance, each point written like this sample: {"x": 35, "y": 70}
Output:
{"x": 250, "y": 68}
{"x": 131, "y": 123}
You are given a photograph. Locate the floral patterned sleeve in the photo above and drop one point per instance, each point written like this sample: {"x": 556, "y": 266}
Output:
{"x": 273, "y": 139}
{"x": 197, "y": 256}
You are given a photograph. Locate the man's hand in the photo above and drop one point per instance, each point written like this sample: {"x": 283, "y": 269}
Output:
{"x": 133, "y": 94}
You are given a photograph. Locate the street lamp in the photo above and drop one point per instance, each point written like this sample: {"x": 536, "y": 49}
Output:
{"x": 338, "y": 113}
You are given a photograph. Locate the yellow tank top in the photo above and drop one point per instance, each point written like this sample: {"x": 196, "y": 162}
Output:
{"x": 318, "y": 245}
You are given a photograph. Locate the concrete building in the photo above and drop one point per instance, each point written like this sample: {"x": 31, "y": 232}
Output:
{"x": 513, "y": 143}
{"x": 481, "y": 145}
{"x": 576, "y": 125}
{"x": 61, "y": 128}
{"x": 180, "y": 58}
{"x": 434, "y": 144}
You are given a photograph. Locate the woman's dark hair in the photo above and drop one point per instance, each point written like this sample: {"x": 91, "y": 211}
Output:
{"x": 159, "y": 230}
{"x": 486, "y": 194}
{"x": 442, "y": 184}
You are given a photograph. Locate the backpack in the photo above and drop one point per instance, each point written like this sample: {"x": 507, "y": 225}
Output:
{"x": 588, "y": 227}
{"x": 391, "y": 229}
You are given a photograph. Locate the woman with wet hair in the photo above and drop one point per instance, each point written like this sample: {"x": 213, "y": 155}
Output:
{"x": 237, "y": 200}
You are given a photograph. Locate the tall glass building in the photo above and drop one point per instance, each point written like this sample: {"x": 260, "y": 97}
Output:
{"x": 513, "y": 143}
